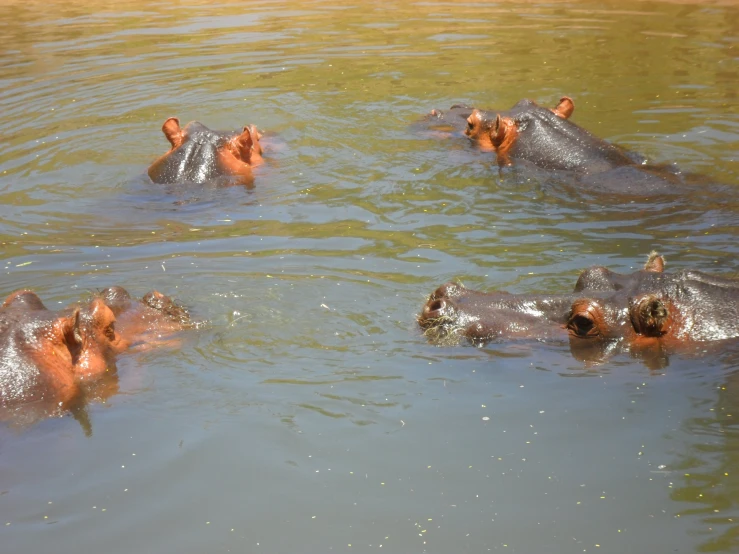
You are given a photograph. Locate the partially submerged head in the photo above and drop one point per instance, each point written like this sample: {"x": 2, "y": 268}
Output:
{"x": 44, "y": 354}
{"x": 201, "y": 155}
{"x": 641, "y": 311}
{"x": 498, "y": 131}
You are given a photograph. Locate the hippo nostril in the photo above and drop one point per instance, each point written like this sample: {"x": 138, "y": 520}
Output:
{"x": 657, "y": 310}
{"x": 582, "y": 325}
{"x": 435, "y": 308}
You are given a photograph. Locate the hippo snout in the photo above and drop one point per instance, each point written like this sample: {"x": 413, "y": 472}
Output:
{"x": 447, "y": 290}
{"x": 439, "y": 308}
{"x": 434, "y": 309}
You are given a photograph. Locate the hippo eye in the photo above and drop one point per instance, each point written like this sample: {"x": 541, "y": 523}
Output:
{"x": 470, "y": 125}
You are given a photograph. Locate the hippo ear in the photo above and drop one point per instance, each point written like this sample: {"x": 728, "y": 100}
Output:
{"x": 655, "y": 263}
{"x": 172, "y": 131}
{"x": 649, "y": 315}
{"x": 68, "y": 329}
{"x": 565, "y": 107}
{"x": 244, "y": 143}
{"x": 497, "y": 132}
{"x": 503, "y": 134}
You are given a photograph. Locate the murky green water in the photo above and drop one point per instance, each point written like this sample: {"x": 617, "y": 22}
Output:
{"x": 311, "y": 416}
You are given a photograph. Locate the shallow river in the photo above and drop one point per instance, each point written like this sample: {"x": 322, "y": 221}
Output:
{"x": 310, "y": 415}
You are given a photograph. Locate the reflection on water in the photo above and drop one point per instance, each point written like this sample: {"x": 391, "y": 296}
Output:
{"x": 311, "y": 415}
{"x": 708, "y": 488}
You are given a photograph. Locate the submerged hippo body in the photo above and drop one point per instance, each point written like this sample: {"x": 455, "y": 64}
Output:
{"x": 50, "y": 359}
{"x": 201, "y": 155}
{"x": 645, "y": 310}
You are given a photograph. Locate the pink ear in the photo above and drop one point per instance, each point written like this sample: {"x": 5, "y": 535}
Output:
{"x": 655, "y": 263}
{"x": 503, "y": 134}
{"x": 68, "y": 329}
{"x": 172, "y": 131}
{"x": 497, "y": 133}
{"x": 565, "y": 107}
{"x": 243, "y": 144}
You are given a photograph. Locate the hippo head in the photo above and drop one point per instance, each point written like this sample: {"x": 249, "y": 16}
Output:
{"x": 595, "y": 326}
{"x": 547, "y": 139}
{"x": 44, "y": 354}
{"x": 200, "y": 155}
{"x": 647, "y": 313}
{"x": 493, "y": 131}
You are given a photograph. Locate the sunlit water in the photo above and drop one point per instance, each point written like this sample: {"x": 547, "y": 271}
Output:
{"x": 310, "y": 415}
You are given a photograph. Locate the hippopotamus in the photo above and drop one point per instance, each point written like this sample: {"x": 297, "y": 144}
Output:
{"x": 648, "y": 310}
{"x": 529, "y": 136}
{"x": 476, "y": 123}
{"x": 200, "y": 155}
{"x": 49, "y": 357}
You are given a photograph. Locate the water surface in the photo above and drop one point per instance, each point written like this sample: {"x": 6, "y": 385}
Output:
{"x": 311, "y": 415}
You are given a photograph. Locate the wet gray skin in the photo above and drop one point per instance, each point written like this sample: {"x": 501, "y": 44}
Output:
{"x": 703, "y": 308}
{"x": 313, "y": 393}
{"x": 554, "y": 143}
{"x": 546, "y": 141}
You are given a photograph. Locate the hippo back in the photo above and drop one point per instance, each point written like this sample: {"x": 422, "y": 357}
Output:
{"x": 708, "y": 305}
{"x": 553, "y": 143}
